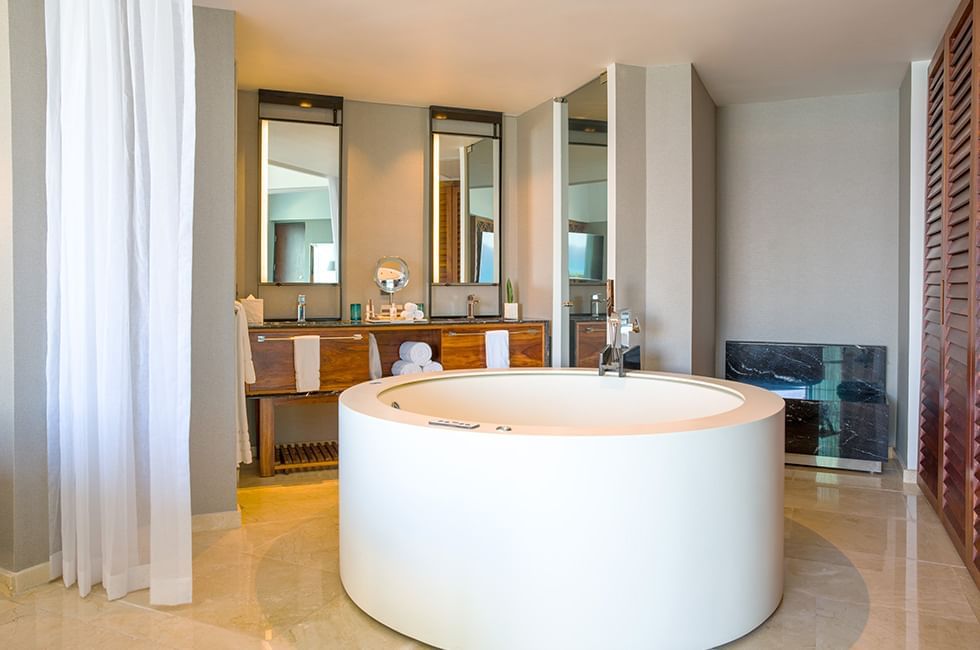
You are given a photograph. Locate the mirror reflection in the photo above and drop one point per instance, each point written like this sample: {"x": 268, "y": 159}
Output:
{"x": 466, "y": 223}
{"x": 587, "y": 172}
{"x": 300, "y": 211}
{"x": 586, "y": 212}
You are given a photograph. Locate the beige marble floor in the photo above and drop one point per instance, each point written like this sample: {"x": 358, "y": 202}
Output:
{"x": 867, "y": 566}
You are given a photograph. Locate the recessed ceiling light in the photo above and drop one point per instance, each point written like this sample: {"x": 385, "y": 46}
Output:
{"x": 306, "y": 104}
{"x": 440, "y": 116}
{"x": 589, "y": 129}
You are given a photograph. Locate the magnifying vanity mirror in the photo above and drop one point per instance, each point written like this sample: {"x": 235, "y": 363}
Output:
{"x": 300, "y": 188}
{"x": 391, "y": 274}
{"x": 465, "y": 224}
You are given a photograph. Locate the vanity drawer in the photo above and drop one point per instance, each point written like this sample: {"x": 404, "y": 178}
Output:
{"x": 343, "y": 360}
{"x": 464, "y": 347}
{"x": 590, "y": 339}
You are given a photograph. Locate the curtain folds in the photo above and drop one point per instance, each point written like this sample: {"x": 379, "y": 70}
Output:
{"x": 120, "y": 185}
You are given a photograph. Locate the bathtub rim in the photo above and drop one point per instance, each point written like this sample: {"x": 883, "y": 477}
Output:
{"x": 757, "y": 404}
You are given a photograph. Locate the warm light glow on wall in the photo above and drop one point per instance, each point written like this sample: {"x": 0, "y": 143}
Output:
{"x": 435, "y": 208}
{"x": 264, "y": 208}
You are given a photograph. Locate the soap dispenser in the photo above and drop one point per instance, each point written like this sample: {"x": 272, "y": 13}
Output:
{"x": 301, "y": 308}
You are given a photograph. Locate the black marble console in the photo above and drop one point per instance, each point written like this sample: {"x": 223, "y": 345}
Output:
{"x": 836, "y": 401}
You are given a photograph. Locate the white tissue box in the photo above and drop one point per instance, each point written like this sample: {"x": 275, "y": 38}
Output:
{"x": 254, "y": 310}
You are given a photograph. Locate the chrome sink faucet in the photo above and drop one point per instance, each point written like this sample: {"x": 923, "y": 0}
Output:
{"x": 619, "y": 326}
{"x": 471, "y": 302}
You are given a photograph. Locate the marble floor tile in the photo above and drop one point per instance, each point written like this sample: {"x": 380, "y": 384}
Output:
{"x": 867, "y": 565}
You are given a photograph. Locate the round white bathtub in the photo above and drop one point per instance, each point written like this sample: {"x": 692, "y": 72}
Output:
{"x": 582, "y": 512}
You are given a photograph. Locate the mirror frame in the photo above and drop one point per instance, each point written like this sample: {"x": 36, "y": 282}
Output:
{"x": 437, "y": 115}
{"x": 295, "y": 104}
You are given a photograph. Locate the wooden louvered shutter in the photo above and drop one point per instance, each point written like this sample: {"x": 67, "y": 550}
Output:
{"x": 930, "y": 403}
{"x": 949, "y": 444}
{"x": 958, "y": 274}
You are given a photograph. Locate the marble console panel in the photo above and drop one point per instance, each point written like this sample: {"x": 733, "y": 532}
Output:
{"x": 836, "y": 404}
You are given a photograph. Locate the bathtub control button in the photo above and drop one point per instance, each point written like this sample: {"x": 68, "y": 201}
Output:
{"x": 456, "y": 424}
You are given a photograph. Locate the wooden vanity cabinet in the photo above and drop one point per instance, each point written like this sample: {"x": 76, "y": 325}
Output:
{"x": 343, "y": 359}
{"x": 590, "y": 339}
{"x": 464, "y": 346}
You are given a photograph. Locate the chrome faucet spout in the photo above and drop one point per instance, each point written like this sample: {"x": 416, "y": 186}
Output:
{"x": 619, "y": 326}
{"x": 471, "y": 302}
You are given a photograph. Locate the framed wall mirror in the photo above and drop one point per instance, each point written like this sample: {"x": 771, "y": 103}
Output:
{"x": 466, "y": 196}
{"x": 300, "y": 179}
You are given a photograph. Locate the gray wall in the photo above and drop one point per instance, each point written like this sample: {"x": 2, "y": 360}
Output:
{"x": 626, "y": 187}
{"x": 911, "y": 253}
{"x": 904, "y": 180}
{"x": 680, "y": 222}
{"x": 6, "y": 298}
{"x": 213, "y": 380}
{"x": 23, "y": 474}
{"x": 535, "y": 134}
{"x": 385, "y": 184}
{"x": 703, "y": 227}
{"x": 808, "y": 223}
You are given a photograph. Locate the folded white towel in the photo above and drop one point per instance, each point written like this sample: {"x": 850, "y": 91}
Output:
{"x": 415, "y": 351}
{"x": 402, "y": 367}
{"x": 498, "y": 348}
{"x": 306, "y": 361}
{"x": 432, "y": 366}
{"x": 254, "y": 309}
{"x": 245, "y": 372}
{"x": 374, "y": 358}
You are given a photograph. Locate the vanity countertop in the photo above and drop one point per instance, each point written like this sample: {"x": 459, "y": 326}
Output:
{"x": 331, "y": 322}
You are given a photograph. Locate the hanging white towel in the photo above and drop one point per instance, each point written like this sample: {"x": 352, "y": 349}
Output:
{"x": 402, "y": 367}
{"x": 374, "y": 358}
{"x": 246, "y": 375}
{"x": 306, "y": 361}
{"x": 432, "y": 366}
{"x": 415, "y": 351}
{"x": 498, "y": 349}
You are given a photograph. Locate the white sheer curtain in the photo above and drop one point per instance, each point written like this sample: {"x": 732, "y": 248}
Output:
{"x": 120, "y": 184}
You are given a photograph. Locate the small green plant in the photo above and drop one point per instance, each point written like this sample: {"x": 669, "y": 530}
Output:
{"x": 510, "y": 291}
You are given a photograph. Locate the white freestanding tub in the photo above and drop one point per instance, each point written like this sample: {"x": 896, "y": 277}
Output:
{"x": 583, "y": 512}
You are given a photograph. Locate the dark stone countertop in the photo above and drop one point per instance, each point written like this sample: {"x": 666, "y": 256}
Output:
{"x": 332, "y": 322}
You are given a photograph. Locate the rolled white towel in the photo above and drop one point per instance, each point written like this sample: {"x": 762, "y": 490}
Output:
{"x": 418, "y": 315}
{"x": 417, "y": 352}
{"x": 432, "y": 366}
{"x": 410, "y": 307}
{"x": 402, "y": 367}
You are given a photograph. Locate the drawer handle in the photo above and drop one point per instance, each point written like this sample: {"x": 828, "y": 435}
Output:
{"x": 454, "y": 333}
{"x": 353, "y": 337}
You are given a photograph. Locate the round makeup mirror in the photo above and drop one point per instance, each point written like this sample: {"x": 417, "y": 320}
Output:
{"x": 391, "y": 274}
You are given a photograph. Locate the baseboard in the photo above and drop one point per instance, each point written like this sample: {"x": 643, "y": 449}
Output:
{"x": 17, "y": 582}
{"x": 228, "y": 520}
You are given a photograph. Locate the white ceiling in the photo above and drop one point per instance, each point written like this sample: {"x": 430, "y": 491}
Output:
{"x": 511, "y": 55}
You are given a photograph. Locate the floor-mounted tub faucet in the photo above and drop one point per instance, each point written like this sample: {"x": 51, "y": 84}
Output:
{"x": 619, "y": 326}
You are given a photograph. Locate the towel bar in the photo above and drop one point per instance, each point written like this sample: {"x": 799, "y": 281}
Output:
{"x": 527, "y": 331}
{"x": 353, "y": 337}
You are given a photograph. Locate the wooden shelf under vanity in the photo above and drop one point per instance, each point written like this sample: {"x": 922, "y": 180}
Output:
{"x": 344, "y": 363}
